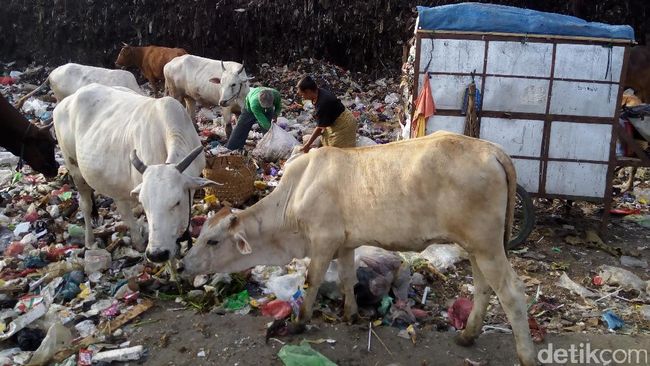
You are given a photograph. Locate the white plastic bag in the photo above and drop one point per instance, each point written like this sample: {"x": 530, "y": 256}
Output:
{"x": 365, "y": 141}
{"x": 275, "y": 145}
{"x": 284, "y": 287}
{"x": 57, "y": 338}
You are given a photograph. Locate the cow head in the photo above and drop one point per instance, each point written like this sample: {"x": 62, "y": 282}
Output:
{"x": 233, "y": 83}
{"x": 232, "y": 241}
{"x": 222, "y": 246}
{"x": 165, "y": 194}
{"x": 38, "y": 150}
{"x": 125, "y": 58}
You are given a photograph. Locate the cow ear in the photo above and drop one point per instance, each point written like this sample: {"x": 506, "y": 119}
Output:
{"x": 136, "y": 191}
{"x": 242, "y": 245}
{"x": 215, "y": 80}
{"x": 198, "y": 182}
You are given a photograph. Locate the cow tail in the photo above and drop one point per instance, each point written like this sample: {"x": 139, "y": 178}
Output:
{"x": 22, "y": 100}
{"x": 511, "y": 179}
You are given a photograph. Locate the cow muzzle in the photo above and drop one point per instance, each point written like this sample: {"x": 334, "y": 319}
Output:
{"x": 157, "y": 256}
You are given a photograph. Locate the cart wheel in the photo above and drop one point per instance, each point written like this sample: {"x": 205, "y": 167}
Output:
{"x": 524, "y": 220}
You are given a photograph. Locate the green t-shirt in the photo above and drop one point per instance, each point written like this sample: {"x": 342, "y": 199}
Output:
{"x": 254, "y": 106}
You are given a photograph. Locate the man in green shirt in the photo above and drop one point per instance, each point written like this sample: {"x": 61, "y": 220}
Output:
{"x": 263, "y": 106}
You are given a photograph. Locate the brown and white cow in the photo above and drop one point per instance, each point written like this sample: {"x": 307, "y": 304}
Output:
{"x": 401, "y": 196}
{"x": 149, "y": 59}
{"x": 19, "y": 136}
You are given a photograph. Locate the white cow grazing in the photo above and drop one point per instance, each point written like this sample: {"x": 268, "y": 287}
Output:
{"x": 401, "y": 196}
{"x": 67, "y": 79}
{"x": 209, "y": 82}
{"x": 100, "y": 128}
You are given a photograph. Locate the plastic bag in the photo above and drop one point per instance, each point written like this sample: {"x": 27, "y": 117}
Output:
{"x": 444, "y": 256}
{"x": 56, "y": 339}
{"x": 284, "y": 287}
{"x": 275, "y": 145}
{"x": 303, "y": 355}
{"x": 365, "y": 141}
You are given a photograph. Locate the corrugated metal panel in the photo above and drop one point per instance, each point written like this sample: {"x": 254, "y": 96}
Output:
{"x": 447, "y": 123}
{"x": 520, "y": 59}
{"x": 580, "y": 141}
{"x": 584, "y": 99}
{"x": 515, "y": 95}
{"x": 576, "y": 179}
{"x": 448, "y": 55}
{"x": 527, "y": 174}
{"x": 588, "y": 62}
{"x": 518, "y": 137}
{"x": 448, "y": 90}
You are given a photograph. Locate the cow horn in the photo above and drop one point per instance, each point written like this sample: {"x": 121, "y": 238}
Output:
{"x": 137, "y": 163}
{"x": 242, "y": 68}
{"x": 124, "y": 44}
{"x": 222, "y": 65}
{"x": 189, "y": 159}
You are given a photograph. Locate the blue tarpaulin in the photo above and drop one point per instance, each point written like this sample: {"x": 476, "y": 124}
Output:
{"x": 475, "y": 17}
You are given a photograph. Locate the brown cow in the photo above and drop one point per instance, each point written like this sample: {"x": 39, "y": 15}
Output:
{"x": 150, "y": 60}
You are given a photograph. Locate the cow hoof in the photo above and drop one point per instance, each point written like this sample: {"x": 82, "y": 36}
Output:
{"x": 464, "y": 341}
{"x": 351, "y": 319}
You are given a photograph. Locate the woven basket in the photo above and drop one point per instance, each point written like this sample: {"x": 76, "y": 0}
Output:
{"x": 236, "y": 173}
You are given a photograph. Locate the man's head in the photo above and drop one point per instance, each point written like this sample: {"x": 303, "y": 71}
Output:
{"x": 307, "y": 88}
{"x": 266, "y": 98}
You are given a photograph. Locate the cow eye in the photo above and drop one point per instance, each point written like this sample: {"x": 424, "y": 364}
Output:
{"x": 233, "y": 85}
{"x": 213, "y": 242}
{"x": 177, "y": 204}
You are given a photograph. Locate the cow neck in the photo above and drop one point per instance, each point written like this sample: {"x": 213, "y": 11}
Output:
{"x": 16, "y": 126}
{"x": 138, "y": 55}
{"x": 20, "y": 164}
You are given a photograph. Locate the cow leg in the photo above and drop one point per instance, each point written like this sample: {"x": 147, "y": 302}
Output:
{"x": 499, "y": 274}
{"x": 86, "y": 204}
{"x": 482, "y": 292}
{"x": 125, "y": 208}
{"x": 347, "y": 276}
{"x": 315, "y": 275}
{"x": 190, "y": 105}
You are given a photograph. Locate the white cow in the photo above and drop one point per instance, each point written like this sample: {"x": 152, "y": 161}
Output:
{"x": 99, "y": 130}
{"x": 67, "y": 79}
{"x": 209, "y": 82}
{"x": 401, "y": 196}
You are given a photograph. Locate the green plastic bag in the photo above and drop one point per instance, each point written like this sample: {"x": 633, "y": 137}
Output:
{"x": 237, "y": 301}
{"x": 303, "y": 355}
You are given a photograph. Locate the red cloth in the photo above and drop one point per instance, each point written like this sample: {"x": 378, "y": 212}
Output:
{"x": 425, "y": 107}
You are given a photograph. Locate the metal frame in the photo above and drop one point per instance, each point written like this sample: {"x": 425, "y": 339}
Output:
{"x": 546, "y": 117}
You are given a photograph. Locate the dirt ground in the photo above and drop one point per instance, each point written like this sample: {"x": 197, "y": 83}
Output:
{"x": 176, "y": 337}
